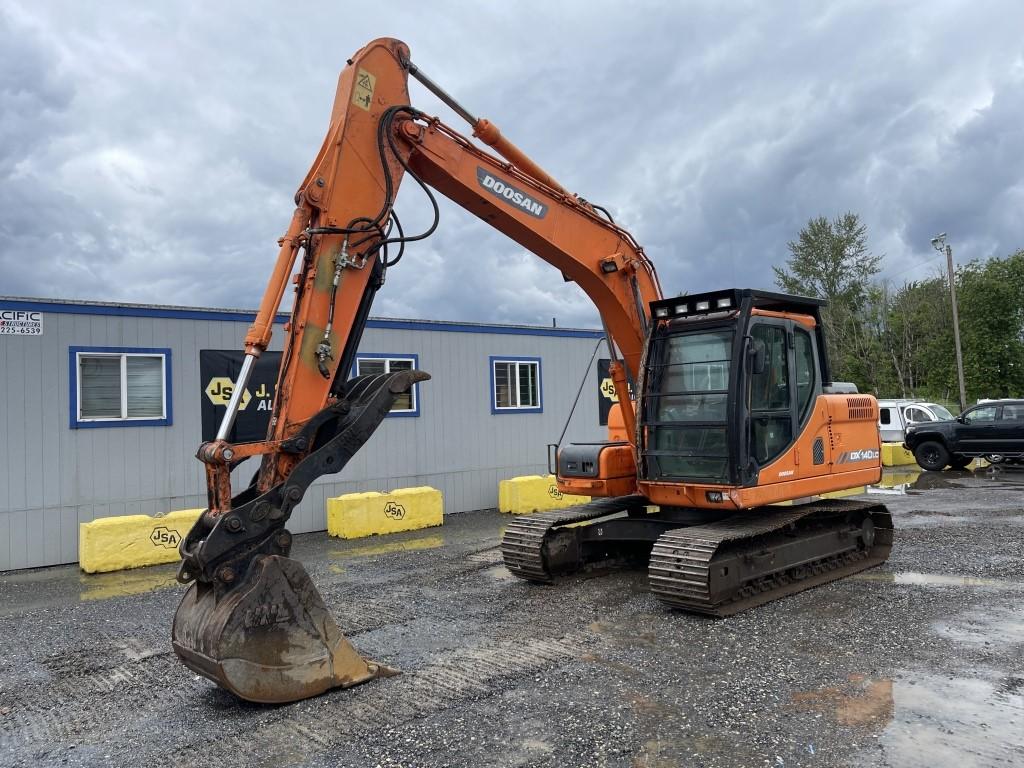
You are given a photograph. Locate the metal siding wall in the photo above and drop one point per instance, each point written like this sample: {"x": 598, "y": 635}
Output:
{"x": 57, "y": 477}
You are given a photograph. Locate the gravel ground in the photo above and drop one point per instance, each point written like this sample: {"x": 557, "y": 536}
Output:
{"x": 917, "y": 663}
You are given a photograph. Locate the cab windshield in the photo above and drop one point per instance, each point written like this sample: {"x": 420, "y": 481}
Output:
{"x": 941, "y": 413}
{"x": 687, "y": 405}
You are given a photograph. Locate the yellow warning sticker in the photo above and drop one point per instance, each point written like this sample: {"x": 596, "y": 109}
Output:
{"x": 363, "y": 92}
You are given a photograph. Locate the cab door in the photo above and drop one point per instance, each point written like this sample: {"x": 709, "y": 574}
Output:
{"x": 1010, "y": 428}
{"x": 979, "y": 430}
{"x": 770, "y": 393}
{"x": 782, "y": 397}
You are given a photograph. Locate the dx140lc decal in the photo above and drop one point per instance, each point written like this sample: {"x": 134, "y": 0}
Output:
{"x": 864, "y": 454}
{"x": 511, "y": 195}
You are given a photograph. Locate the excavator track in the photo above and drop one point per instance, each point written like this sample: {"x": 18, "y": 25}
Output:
{"x": 761, "y": 555}
{"x": 526, "y": 546}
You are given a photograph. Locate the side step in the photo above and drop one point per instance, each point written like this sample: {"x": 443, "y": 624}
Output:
{"x": 763, "y": 554}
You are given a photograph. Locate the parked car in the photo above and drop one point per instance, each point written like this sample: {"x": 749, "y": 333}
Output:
{"x": 993, "y": 430}
{"x": 894, "y": 416}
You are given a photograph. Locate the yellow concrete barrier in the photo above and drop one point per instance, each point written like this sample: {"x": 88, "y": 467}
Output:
{"x": 131, "y": 541}
{"x": 355, "y": 515}
{"x": 895, "y": 455}
{"x": 534, "y": 493}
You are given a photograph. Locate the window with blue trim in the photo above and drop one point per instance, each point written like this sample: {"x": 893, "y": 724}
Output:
{"x": 119, "y": 387}
{"x": 515, "y": 385}
{"x": 407, "y": 403}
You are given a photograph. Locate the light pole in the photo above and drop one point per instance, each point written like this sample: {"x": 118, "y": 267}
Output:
{"x": 939, "y": 244}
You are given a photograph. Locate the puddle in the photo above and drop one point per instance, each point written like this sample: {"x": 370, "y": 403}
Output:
{"x": 104, "y": 586}
{"x": 895, "y": 481}
{"x": 928, "y": 720}
{"x": 369, "y": 550}
{"x": 938, "y": 580}
{"x": 1001, "y": 627}
{"x": 902, "y": 480}
{"x": 959, "y": 722}
{"x": 861, "y": 702}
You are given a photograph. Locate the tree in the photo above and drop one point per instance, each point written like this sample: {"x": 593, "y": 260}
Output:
{"x": 831, "y": 260}
{"x": 991, "y": 299}
{"x": 918, "y": 340}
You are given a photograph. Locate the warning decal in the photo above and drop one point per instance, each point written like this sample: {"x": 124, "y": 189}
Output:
{"x": 363, "y": 92}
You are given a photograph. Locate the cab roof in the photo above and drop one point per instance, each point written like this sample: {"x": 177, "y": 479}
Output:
{"x": 730, "y": 299}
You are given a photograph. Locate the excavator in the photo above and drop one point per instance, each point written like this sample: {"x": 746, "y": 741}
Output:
{"x": 727, "y": 431}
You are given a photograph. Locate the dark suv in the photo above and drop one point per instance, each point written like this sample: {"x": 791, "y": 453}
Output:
{"x": 994, "y": 430}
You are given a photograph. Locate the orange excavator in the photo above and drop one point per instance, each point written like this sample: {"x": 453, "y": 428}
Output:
{"x": 732, "y": 416}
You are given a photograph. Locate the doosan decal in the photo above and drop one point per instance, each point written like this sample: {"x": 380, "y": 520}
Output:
{"x": 511, "y": 194}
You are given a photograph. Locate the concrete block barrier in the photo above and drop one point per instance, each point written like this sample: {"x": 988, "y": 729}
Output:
{"x": 132, "y": 541}
{"x": 355, "y": 515}
{"x": 534, "y": 493}
{"x": 895, "y": 455}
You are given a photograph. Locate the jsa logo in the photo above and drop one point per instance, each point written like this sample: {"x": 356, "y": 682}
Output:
{"x": 220, "y": 389}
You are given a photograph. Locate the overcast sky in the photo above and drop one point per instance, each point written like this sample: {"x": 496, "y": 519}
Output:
{"x": 149, "y": 152}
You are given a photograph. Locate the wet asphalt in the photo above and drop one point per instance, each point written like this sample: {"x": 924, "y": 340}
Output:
{"x": 919, "y": 662}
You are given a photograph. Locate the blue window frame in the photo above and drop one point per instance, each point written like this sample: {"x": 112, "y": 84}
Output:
{"x": 373, "y": 362}
{"x": 119, "y": 387}
{"x": 516, "y": 385}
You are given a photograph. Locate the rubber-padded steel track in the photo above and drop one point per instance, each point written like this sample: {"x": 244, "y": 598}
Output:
{"x": 682, "y": 568}
{"x": 522, "y": 545}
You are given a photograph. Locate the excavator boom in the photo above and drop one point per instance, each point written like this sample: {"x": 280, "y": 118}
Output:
{"x": 252, "y": 620}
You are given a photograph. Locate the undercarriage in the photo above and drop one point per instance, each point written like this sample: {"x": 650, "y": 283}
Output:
{"x": 701, "y": 560}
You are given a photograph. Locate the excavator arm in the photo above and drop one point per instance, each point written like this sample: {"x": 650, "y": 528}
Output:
{"x": 252, "y": 620}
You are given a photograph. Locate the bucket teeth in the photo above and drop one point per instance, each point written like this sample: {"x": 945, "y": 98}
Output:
{"x": 269, "y": 639}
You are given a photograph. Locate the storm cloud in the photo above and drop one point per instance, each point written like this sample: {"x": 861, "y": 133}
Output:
{"x": 150, "y": 152}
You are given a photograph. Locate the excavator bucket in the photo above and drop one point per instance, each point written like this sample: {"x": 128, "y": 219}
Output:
{"x": 270, "y": 639}
{"x": 251, "y": 620}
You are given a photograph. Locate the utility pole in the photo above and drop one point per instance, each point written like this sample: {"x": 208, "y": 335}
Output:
{"x": 939, "y": 244}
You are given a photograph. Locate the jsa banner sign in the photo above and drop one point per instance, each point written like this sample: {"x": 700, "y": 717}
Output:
{"x": 606, "y": 396}
{"x": 20, "y": 322}
{"x": 218, "y": 371}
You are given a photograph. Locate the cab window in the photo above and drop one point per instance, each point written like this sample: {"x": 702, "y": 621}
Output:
{"x": 985, "y": 413}
{"x": 770, "y": 415}
{"x": 1013, "y": 412}
{"x": 769, "y": 390}
{"x": 917, "y": 415}
{"x": 804, "y": 371}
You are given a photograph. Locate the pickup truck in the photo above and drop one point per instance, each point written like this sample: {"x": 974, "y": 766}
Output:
{"x": 894, "y": 416}
{"x": 993, "y": 430}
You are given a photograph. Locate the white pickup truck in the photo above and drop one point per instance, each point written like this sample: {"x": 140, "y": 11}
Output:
{"x": 894, "y": 416}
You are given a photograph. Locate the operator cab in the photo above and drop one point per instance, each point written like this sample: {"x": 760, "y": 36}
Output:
{"x": 729, "y": 383}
